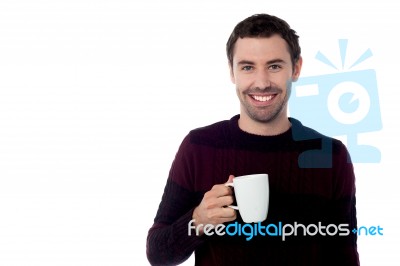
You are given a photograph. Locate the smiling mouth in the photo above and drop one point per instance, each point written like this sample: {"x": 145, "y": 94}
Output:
{"x": 264, "y": 98}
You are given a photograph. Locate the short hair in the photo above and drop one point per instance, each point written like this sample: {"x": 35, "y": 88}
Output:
{"x": 264, "y": 25}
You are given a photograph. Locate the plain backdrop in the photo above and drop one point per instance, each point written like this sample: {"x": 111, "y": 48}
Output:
{"x": 97, "y": 95}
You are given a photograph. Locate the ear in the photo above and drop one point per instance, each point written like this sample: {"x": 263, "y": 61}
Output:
{"x": 231, "y": 73}
{"x": 297, "y": 69}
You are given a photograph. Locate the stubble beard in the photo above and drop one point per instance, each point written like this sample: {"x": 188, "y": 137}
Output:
{"x": 268, "y": 113}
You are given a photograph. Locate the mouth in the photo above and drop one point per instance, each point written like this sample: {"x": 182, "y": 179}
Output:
{"x": 263, "y": 99}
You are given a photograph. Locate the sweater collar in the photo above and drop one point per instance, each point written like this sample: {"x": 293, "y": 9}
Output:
{"x": 243, "y": 136}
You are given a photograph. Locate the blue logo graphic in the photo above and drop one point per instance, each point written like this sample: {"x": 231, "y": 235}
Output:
{"x": 368, "y": 231}
{"x": 344, "y": 103}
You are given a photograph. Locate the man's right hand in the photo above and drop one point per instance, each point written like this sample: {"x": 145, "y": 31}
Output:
{"x": 212, "y": 208}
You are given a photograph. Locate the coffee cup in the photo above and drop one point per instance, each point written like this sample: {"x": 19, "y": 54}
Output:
{"x": 252, "y": 197}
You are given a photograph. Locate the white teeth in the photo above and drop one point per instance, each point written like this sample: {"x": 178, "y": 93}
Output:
{"x": 262, "y": 98}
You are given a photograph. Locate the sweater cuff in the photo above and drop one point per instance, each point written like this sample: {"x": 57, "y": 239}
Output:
{"x": 180, "y": 232}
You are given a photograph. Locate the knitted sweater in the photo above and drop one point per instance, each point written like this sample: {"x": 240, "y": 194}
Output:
{"x": 311, "y": 183}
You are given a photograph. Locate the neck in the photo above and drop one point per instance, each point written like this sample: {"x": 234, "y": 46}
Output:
{"x": 274, "y": 127}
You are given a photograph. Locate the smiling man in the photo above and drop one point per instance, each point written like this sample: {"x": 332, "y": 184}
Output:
{"x": 263, "y": 72}
{"x": 264, "y": 59}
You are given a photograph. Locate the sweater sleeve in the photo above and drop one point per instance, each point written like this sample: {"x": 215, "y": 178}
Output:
{"x": 343, "y": 249}
{"x": 168, "y": 240}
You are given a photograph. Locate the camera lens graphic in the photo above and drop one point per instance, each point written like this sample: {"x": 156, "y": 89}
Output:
{"x": 348, "y": 102}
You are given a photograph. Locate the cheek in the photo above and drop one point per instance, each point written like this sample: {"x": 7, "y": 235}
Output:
{"x": 232, "y": 78}
{"x": 284, "y": 81}
{"x": 243, "y": 81}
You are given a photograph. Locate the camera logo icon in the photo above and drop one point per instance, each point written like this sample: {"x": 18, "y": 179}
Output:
{"x": 337, "y": 104}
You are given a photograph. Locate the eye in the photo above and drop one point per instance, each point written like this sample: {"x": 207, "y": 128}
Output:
{"x": 247, "y": 68}
{"x": 275, "y": 68}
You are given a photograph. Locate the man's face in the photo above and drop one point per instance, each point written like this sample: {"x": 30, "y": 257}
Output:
{"x": 263, "y": 73}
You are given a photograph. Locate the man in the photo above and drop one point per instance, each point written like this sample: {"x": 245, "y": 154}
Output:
{"x": 311, "y": 181}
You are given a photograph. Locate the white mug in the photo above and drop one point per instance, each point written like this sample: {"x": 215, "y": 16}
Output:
{"x": 252, "y": 197}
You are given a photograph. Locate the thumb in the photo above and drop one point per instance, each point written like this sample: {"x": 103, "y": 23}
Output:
{"x": 230, "y": 179}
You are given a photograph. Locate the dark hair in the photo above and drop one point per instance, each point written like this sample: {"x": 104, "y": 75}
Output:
{"x": 264, "y": 25}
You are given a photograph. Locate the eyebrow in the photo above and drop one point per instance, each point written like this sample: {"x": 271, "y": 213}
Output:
{"x": 273, "y": 61}
{"x": 245, "y": 62}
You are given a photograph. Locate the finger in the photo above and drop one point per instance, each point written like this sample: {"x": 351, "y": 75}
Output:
{"x": 225, "y": 220}
{"x": 220, "y": 191}
{"x": 230, "y": 179}
{"x": 224, "y": 201}
{"x": 227, "y": 213}
{"x": 223, "y": 215}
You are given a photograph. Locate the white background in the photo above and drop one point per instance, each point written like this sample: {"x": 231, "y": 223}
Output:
{"x": 96, "y": 96}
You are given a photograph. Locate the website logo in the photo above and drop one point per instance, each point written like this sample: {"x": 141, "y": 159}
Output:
{"x": 341, "y": 103}
{"x": 250, "y": 230}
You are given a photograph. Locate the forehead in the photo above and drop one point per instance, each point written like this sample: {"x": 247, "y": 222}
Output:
{"x": 256, "y": 49}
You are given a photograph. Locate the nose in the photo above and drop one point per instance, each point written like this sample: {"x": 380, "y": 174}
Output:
{"x": 262, "y": 79}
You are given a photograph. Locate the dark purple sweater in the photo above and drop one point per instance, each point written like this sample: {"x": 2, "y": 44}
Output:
{"x": 311, "y": 181}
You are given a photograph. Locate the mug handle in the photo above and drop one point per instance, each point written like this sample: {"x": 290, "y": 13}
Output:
{"x": 231, "y": 206}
